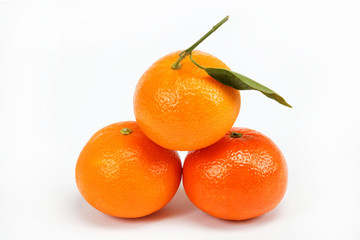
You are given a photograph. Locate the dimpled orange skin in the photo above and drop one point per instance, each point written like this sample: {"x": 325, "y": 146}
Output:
{"x": 127, "y": 176}
{"x": 185, "y": 109}
{"x": 236, "y": 178}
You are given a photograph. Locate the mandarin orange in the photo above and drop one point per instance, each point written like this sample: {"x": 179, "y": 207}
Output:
{"x": 185, "y": 109}
{"x": 123, "y": 173}
{"x": 242, "y": 176}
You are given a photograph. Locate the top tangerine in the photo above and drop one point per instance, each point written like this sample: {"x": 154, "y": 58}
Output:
{"x": 185, "y": 109}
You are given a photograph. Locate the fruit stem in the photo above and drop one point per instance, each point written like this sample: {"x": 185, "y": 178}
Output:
{"x": 183, "y": 54}
{"x": 126, "y": 131}
{"x": 235, "y": 135}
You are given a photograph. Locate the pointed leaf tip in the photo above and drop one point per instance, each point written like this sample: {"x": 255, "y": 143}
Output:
{"x": 240, "y": 82}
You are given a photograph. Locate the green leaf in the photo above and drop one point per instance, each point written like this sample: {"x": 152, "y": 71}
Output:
{"x": 240, "y": 82}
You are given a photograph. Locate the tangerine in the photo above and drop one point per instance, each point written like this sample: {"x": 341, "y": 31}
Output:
{"x": 123, "y": 173}
{"x": 185, "y": 109}
{"x": 244, "y": 175}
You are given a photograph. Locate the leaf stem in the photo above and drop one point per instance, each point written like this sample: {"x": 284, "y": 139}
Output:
{"x": 183, "y": 54}
{"x": 198, "y": 65}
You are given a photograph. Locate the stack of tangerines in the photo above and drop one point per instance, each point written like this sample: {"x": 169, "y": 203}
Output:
{"x": 131, "y": 169}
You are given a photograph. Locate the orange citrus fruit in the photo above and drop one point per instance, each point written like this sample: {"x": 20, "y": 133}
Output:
{"x": 124, "y": 174}
{"x": 185, "y": 109}
{"x": 242, "y": 176}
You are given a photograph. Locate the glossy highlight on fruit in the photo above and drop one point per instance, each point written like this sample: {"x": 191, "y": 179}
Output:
{"x": 123, "y": 173}
{"x": 185, "y": 108}
{"x": 243, "y": 175}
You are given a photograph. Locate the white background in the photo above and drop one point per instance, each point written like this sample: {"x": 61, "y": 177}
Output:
{"x": 69, "y": 68}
